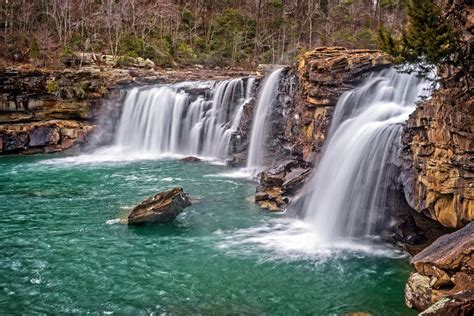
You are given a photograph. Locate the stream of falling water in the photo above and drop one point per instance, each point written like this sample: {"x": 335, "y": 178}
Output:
{"x": 260, "y": 119}
{"x": 166, "y": 121}
{"x": 347, "y": 192}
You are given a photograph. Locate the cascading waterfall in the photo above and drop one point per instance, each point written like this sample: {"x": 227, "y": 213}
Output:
{"x": 259, "y": 126}
{"x": 346, "y": 195}
{"x": 166, "y": 120}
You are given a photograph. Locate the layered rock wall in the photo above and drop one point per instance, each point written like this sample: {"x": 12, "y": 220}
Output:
{"x": 45, "y": 111}
{"x": 300, "y": 126}
{"x": 324, "y": 74}
{"x": 438, "y": 158}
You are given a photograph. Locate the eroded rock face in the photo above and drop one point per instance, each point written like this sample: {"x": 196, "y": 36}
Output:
{"x": 42, "y": 137}
{"x": 278, "y": 184}
{"x": 301, "y": 117}
{"x": 324, "y": 74}
{"x": 438, "y": 158}
{"x": 161, "y": 208}
{"x": 443, "y": 269}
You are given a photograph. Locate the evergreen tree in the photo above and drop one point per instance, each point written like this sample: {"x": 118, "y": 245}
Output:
{"x": 429, "y": 40}
{"x": 35, "y": 52}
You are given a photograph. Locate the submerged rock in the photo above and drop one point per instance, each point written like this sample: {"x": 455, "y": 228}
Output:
{"x": 161, "y": 208}
{"x": 190, "y": 159}
{"x": 443, "y": 269}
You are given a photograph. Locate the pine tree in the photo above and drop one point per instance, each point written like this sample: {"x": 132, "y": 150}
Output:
{"x": 35, "y": 52}
{"x": 428, "y": 41}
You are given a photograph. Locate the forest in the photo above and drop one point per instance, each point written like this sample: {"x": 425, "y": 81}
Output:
{"x": 234, "y": 33}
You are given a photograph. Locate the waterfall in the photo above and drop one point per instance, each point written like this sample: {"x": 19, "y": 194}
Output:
{"x": 169, "y": 120}
{"x": 347, "y": 192}
{"x": 260, "y": 118}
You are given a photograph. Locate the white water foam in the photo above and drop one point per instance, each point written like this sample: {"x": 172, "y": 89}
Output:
{"x": 293, "y": 239}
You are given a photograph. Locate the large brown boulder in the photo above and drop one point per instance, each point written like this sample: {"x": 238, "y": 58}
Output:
{"x": 443, "y": 269}
{"x": 460, "y": 304}
{"x": 161, "y": 208}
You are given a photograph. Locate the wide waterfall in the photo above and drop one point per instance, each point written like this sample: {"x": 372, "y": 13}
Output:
{"x": 347, "y": 193}
{"x": 259, "y": 126}
{"x": 169, "y": 120}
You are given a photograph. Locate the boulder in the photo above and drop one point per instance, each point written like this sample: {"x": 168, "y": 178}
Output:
{"x": 161, "y": 208}
{"x": 280, "y": 183}
{"x": 190, "y": 159}
{"x": 443, "y": 269}
{"x": 451, "y": 252}
{"x": 43, "y": 136}
{"x": 460, "y": 304}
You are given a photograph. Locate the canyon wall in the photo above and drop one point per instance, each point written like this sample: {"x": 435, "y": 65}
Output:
{"x": 438, "y": 152}
{"x": 438, "y": 158}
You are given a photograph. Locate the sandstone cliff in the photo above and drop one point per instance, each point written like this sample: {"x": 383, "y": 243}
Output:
{"x": 302, "y": 115}
{"x": 438, "y": 158}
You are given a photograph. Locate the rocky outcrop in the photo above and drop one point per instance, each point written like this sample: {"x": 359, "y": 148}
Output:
{"x": 438, "y": 158}
{"x": 161, "y": 208}
{"x": 42, "y": 137}
{"x": 44, "y": 111}
{"x": 438, "y": 151}
{"x": 445, "y": 269}
{"x": 278, "y": 184}
{"x": 324, "y": 74}
{"x": 302, "y": 114}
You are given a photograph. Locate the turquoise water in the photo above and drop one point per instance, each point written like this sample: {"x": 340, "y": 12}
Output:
{"x": 63, "y": 249}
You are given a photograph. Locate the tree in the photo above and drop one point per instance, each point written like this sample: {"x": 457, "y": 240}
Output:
{"x": 430, "y": 40}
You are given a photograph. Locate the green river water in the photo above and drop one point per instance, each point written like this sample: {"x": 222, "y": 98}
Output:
{"x": 63, "y": 249}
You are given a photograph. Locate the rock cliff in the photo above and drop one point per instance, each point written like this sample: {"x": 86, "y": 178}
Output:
{"x": 301, "y": 117}
{"x": 45, "y": 111}
{"x": 438, "y": 158}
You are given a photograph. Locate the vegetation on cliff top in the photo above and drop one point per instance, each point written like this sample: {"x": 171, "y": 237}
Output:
{"x": 433, "y": 38}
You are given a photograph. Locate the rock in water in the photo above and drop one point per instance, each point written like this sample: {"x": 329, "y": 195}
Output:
{"x": 161, "y": 208}
{"x": 190, "y": 159}
{"x": 445, "y": 269}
